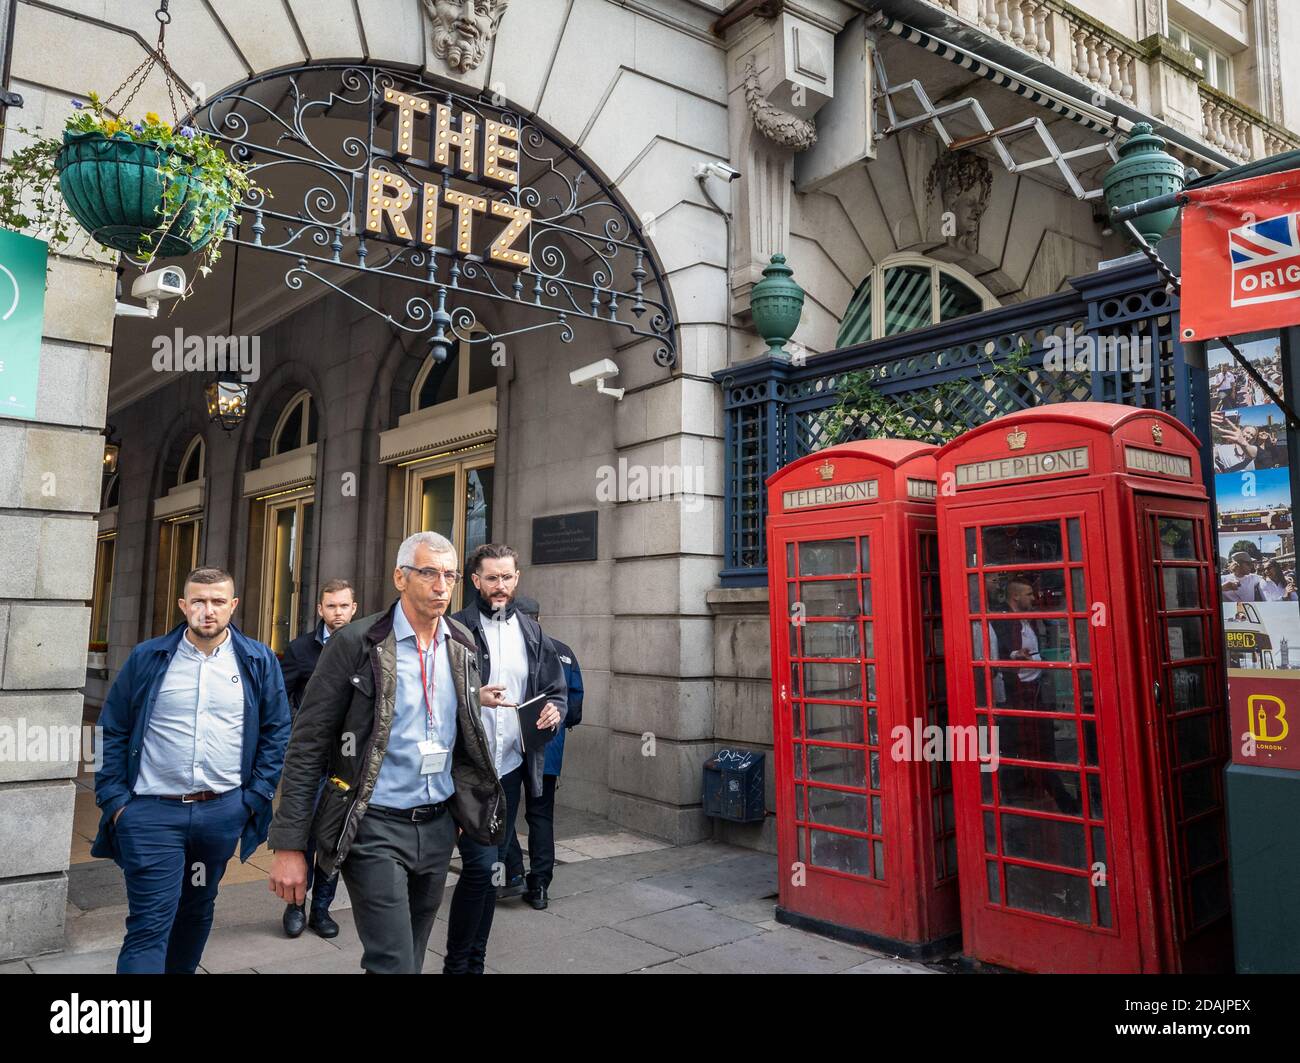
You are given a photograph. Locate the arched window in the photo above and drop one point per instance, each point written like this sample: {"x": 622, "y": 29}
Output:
{"x": 111, "y": 491}
{"x": 297, "y": 425}
{"x": 908, "y": 292}
{"x": 191, "y": 467}
{"x": 455, "y": 378}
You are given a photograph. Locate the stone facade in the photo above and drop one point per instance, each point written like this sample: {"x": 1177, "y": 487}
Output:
{"x": 643, "y": 92}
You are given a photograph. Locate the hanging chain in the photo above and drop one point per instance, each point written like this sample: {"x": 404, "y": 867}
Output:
{"x": 158, "y": 55}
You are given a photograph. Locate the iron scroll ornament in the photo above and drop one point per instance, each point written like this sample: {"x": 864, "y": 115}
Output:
{"x": 588, "y": 257}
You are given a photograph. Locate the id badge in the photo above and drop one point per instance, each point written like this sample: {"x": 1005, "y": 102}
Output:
{"x": 433, "y": 758}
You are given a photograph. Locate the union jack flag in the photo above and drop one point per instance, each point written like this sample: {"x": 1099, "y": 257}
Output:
{"x": 1265, "y": 261}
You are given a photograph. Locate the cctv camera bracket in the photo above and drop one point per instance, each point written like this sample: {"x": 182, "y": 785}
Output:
{"x": 150, "y": 309}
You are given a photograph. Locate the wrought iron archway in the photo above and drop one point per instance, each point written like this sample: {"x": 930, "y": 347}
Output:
{"x": 588, "y": 256}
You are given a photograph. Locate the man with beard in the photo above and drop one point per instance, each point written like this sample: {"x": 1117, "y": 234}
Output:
{"x": 520, "y": 663}
{"x": 337, "y": 606}
{"x": 194, "y": 728}
{"x": 463, "y": 28}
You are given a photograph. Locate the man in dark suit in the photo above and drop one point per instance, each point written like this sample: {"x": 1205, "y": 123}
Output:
{"x": 517, "y": 663}
{"x": 337, "y": 606}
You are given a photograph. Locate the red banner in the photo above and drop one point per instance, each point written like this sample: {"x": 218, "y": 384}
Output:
{"x": 1241, "y": 257}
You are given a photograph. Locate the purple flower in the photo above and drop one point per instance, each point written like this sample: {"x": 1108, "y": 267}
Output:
{"x": 187, "y": 132}
{"x": 78, "y": 104}
{"x": 138, "y": 127}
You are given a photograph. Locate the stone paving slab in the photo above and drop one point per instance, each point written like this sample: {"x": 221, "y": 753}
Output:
{"x": 784, "y": 951}
{"x": 617, "y": 904}
{"x": 235, "y": 947}
{"x": 889, "y": 965}
{"x": 685, "y": 930}
{"x": 671, "y": 967}
{"x": 16, "y": 967}
{"x": 750, "y": 877}
{"x": 102, "y": 961}
{"x": 598, "y": 951}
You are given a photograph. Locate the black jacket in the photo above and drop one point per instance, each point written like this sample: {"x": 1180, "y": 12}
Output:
{"x": 545, "y": 676}
{"x": 341, "y": 733}
{"x": 299, "y": 661}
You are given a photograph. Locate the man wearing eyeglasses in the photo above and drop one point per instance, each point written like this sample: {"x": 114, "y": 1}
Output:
{"x": 391, "y": 720}
{"x": 520, "y": 664}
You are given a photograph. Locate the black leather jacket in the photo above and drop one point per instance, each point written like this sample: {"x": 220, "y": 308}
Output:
{"x": 341, "y": 732}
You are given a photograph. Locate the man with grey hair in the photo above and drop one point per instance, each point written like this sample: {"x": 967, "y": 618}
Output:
{"x": 391, "y": 720}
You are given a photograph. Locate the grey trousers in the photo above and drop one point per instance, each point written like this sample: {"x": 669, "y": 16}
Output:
{"x": 395, "y": 872}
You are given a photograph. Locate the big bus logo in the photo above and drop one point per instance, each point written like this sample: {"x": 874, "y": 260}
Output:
{"x": 1262, "y": 721}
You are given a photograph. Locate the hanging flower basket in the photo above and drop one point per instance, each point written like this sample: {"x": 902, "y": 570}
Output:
{"x": 141, "y": 197}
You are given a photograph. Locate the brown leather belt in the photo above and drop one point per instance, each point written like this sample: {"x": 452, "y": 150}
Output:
{"x": 197, "y": 795}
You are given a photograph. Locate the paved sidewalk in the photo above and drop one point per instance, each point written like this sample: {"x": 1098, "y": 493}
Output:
{"x": 620, "y": 903}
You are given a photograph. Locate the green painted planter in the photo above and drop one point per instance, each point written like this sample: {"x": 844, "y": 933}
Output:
{"x": 113, "y": 186}
{"x": 1145, "y": 170}
{"x": 777, "y": 304}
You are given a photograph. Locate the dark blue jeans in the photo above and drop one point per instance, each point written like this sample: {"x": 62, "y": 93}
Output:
{"x": 173, "y": 855}
{"x": 539, "y": 812}
{"x": 326, "y": 885}
{"x": 473, "y": 904}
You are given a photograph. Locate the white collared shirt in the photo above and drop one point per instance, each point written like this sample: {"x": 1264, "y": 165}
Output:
{"x": 195, "y": 737}
{"x": 509, "y": 655}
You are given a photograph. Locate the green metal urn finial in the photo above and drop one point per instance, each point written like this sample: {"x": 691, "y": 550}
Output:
{"x": 777, "y": 304}
{"x": 1145, "y": 170}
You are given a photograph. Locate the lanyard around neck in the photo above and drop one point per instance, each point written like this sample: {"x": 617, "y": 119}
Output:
{"x": 425, "y": 682}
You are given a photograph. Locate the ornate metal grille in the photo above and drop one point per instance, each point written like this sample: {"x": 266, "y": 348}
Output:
{"x": 588, "y": 256}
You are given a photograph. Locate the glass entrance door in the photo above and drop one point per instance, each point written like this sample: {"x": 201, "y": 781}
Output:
{"x": 1051, "y": 833}
{"x": 287, "y": 612}
{"x": 834, "y": 733}
{"x": 454, "y": 499}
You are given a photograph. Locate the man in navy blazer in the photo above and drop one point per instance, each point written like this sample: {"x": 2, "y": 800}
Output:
{"x": 194, "y": 732}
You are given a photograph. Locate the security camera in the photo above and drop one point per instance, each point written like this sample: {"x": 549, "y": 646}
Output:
{"x": 597, "y": 373}
{"x": 153, "y": 287}
{"x": 159, "y": 284}
{"x": 720, "y": 170}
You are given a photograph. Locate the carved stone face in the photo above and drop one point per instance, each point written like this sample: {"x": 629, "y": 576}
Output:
{"x": 968, "y": 205}
{"x": 462, "y": 30}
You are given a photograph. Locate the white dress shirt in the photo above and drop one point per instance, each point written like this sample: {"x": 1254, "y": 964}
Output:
{"x": 195, "y": 737}
{"x": 509, "y": 654}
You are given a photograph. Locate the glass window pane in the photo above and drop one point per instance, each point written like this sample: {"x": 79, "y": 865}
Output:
{"x": 977, "y": 640}
{"x": 313, "y": 423}
{"x": 830, "y": 638}
{"x": 833, "y": 558}
{"x": 281, "y": 581}
{"x": 440, "y": 384}
{"x": 836, "y": 808}
{"x": 876, "y": 819}
{"x": 973, "y": 592}
{"x": 855, "y": 326}
{"x": 1187, "y": 688}
{"x": 306, "y": 572}
{"x": 1177, "y": 539}
{"x": 907, "y": 299}
{"x": 1095, "y": 807}
{"x": 955, "y": 298}
{"x": 995, "y": 884}
{"x": 840, "y": 767}
{"x": 103, "y": 588}
{"x": 1049, "y": 841}
{"x": 1209, "y": 895}
{"x": 1185, "y": 637}
{"x": 798, "y": 761}
{"x": 290, "y": 437}
{"x": 834, "y": 723}
{"x": 1075, "y": 538}
{"x": 1040, "y": 789}
{"x": 1182, "y": 588}
{"x": 841, "y": 852}
{"x": 866, "y": 554}
{"x": 438, "y": 505}
{"x": 1204, "y": 842}
{"x": 835, "y": 597}
{"x": 972, "y": 558}
{"x": 1078, "y": 600}
{"x": 1035, "y": 738}
{"x": 482, "y": 373}
{"x": 478, "y": 507}
{"x": 1082, "y": 650}
{"x": 837, "y": 682}
{"x": 1032, "y": 889}
{"x": 1197, "y": 786}
{"x": 1022, "y": 544}
{"x": 1086, "y": 705}
{"x": 1194, "y": 738}
{"x": 1036, "y": 591}
{"x": 1037, "y": 689}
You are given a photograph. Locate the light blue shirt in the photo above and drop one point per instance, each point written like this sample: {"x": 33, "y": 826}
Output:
{"x": 509, "y": 654}
{"x": 400, "y": 784}
{"x": 195, "y": 737}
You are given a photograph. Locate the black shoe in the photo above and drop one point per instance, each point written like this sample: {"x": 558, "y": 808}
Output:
{"x": 513, "y": 888}
{"x": 536, "y": 897}
{"x": 324, "y": 926}
{"x": 295, "y": 919}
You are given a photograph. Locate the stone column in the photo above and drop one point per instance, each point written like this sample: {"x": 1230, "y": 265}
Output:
{"x": 50, "y": 479}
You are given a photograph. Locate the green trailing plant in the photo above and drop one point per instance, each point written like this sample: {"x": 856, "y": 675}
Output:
{"x": 196, "y": 174}
{"x": 912, "y": 415}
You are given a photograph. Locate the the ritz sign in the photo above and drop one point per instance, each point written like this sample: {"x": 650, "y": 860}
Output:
{"x": 390, "y": 197}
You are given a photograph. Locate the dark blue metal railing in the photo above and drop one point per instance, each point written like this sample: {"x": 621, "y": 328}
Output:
{"x": 776, "y": 412}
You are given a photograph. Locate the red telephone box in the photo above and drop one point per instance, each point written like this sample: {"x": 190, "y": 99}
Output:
{"x": 1080, "y": 583}
{"x": 866, "y": 840}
